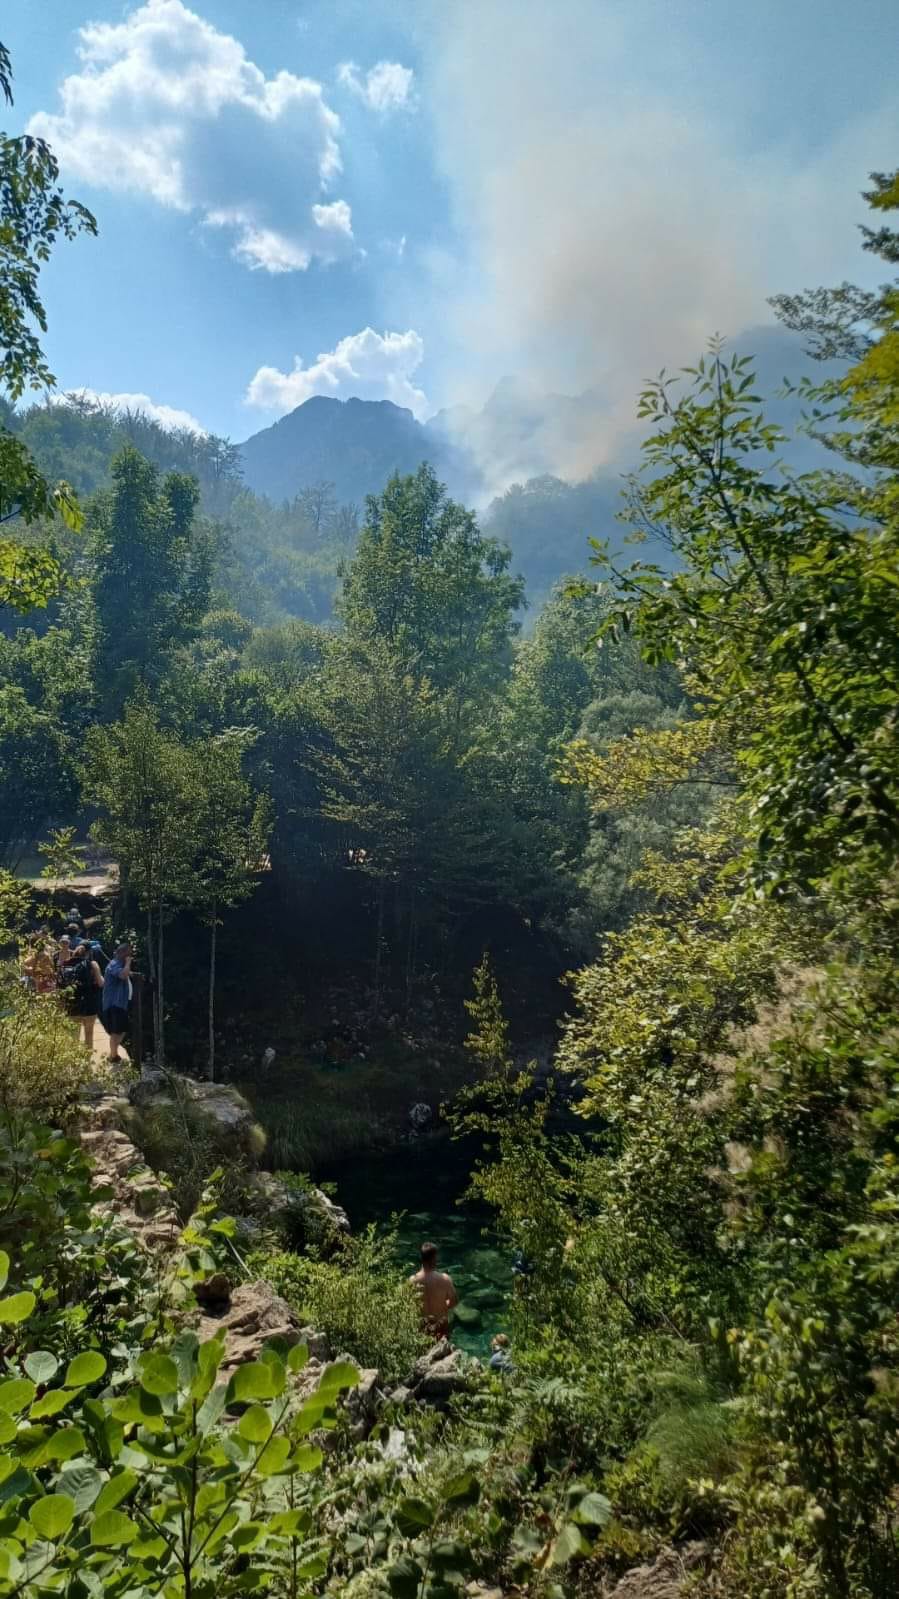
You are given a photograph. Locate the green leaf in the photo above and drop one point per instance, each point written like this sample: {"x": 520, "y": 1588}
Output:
{"x": 255, "y": 1424}
{"x": 4, "y": 1268}
{"x": 52, "y": 1402}
{"x": 412, "y": 1515}
{"x": 83, "y": 1483}
{"x": 306, "y": 1458}
{"x": 112, "y": 1529}
{"x": 144, "y": 1549}
{"x": 16, "y": 1308}
{"x": 159, "y": 1375}
{"x": 247, "y": 1536}
{"x": 274, "y": 1458}
{"x": 212, "y": 1408}
{"x": 65, "y": 1444}
{"x": 52, "y": 1516}
{"x": 341, "y": 1374}
{"x": 184, "y": 1351}
{"x": 462, "y": 1489}
{"x": 404, "y": 1578}
{"x": 8, "y": 1428}
{"x": 569, "y": 1544}
{"x": 117, "y": 1489}
{"x": 41, "y": 1366}
{"x": 298, "y": 1357}
{"x": 253, "y": 1381}
{"x": 594, "y": 1510}
{"x": 15, "y": 1394}
{"x": 85, "y": 1368}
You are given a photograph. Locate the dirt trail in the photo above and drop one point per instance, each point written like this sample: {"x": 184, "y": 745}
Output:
{"x": 101, "y": 1044}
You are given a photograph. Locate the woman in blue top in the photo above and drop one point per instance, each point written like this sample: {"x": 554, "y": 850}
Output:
{"x": 117, "y": 997}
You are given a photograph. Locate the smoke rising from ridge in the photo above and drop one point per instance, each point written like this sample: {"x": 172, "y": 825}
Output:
{"x": 623, "y": 203}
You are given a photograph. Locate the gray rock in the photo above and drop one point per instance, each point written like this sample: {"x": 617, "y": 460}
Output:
{"x": 442, "y": 1379}
{"x": 317, "y": 1343}
{"x": 665, "y": 1578}
{"x": 400, "y": 1395}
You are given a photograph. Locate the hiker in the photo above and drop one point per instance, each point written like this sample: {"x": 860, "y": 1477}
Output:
{"x": 437, "y": 1292}
{"x": 117, "y": 997}
{"x": 83, "y": 982}
{"x": 39, "y": 966}
{"x": 63, "y": 953}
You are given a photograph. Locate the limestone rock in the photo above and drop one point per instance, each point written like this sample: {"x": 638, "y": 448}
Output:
{"x": 664, "y": 1578}
{"x": 139, "y": 1200}
{"x": 305, "y": 1213}
{"x": 362, "y": 1402}
{"x": 439, "y": 1374}
{"x": 227, "y": 1116}
{"x": 317, "y": 1343}
{"x": 254, "y": 1316}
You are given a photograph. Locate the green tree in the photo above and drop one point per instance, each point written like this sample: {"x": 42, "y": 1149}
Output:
{"x": 143, "y": 781}
{"x": 229, "y": 832}
{"x": 150, "y": 574}
{"x": 428, "y": 583}
{"x": 34, "y": 213}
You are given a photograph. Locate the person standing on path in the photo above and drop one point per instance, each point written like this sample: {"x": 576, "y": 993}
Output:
{"x": 117, "y": 997}
{"x": 84, "y": 983}
{"x": 437, "y": 1292}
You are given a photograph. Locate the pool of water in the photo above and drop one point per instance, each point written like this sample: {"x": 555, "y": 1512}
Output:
{"x": 419, "y": 1185}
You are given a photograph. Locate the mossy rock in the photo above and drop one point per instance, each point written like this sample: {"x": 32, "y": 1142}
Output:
{"x": 467, "y": 1315}
{"x": 486, "y": 1298}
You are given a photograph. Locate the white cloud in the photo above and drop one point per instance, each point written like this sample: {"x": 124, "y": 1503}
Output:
{"x": 367, "y": 365}
{"x": 385, "y": 87}
{"x": 167, "y": 106}
{"x": 168, "y": 416}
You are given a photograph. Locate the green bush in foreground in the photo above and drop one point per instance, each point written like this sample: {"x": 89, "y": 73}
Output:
{"x": 142, "y": 1487}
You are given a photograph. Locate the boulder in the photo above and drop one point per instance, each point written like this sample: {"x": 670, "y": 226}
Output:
{"x": 221, "y": 1111}
{"x": 302, "y": 1212}
{"x": 362, "y": 1402}
{"x": 467, "y": 1315}
{"x": 665, "y": 1578}
{"x": 317, "y": 1343}
{"x": 139, "y": 1201}
{"x": 253, "y": 1317}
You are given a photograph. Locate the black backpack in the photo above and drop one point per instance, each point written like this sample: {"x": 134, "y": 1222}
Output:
{"x": 78, "y": 981}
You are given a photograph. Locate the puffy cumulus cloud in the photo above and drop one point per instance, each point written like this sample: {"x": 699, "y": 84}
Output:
{"x": 168, "y": 416}
{"x": 167, "y": 106}
{"x": 386, "y": 87}
{"x": 628, "y": 183}
{"x": 367, "y": 365}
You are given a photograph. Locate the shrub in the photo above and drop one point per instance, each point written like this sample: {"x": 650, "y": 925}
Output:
{"x": 359, "y": 1300}
{"x": 43, "y": 1068}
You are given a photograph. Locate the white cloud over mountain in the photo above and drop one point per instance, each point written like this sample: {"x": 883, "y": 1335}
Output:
{"x": 167, "y": 106}
{"x": 369, "y": 365}
{"x": 168, "y": 416}
{"x": 386, "y": 87}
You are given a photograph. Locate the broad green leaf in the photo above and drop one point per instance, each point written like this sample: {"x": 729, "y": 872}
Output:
{"x": 184, "y": 1351}
{"x": 306, "y": 1458}
{"x": 4, "y": 1268}
{"x": 83, "y": 1483}
{"x": 52, "y": 1516}
{"x": 65, "y": 1444}
{"x": 16, "y": 1308}
{"x": 298, "y": 1357}
{"x": 159, "y": 1375}
{"x": 594, "y": 1510}
{"x": 41, "y": 1366}
{"x": 15, "y": 1394}
{"x": 8, "y": 1428}
{"x": 212, "y": 1408}
{"x": 253, "y": 1381}
{"x": 117, "y": 1489}
{"x": 112, "y": 1529}
{"x": 255, "y": 1424}
{"x": 569, "y": 1544}
{"x": 462, "y": 1489}
{"x": 341, "y": 1374}
{"x": 247, "y": 1536}
{"x": 85, "y": 1368}
{"x": 273, "y": 1458}
{"x": 223, "y": 1530}
{"x": 309, "y": 1415}
{"x": 412, "y": 1515}
{"x": 210, "y": 1495}
{"x": 404, "y": 1578}
{"x": 52, "y": 1402}
{"x": 147, "y": 1549}
{"x": 292, "y": 1522}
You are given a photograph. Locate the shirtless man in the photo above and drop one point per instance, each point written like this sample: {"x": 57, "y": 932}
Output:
{"x": 437, "y": 1292}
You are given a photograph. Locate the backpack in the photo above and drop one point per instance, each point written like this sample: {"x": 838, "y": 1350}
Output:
{"x": 81, "y": 990}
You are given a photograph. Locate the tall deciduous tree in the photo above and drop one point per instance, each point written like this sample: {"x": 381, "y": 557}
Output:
{"x": 143, "y": 781}
{"x": 151, "y": 574}
{"x": 230, "y": 824}
{"x": 34, "y": 213}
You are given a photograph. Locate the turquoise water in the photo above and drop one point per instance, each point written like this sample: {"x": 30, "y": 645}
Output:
{"x": 420, "y": 1184}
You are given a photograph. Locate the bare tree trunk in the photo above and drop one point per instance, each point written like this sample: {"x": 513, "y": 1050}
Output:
{"x": 160, "y": 1053}
{"x": 151, "y": 957}
{"x": 382, "y": 895}
{"x": 212, "y": 997}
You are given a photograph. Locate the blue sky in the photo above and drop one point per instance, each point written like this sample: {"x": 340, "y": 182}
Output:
{"x": 430, "y": 195}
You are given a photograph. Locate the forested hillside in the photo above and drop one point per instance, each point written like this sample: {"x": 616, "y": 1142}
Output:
{"x": 598, "y": 916}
